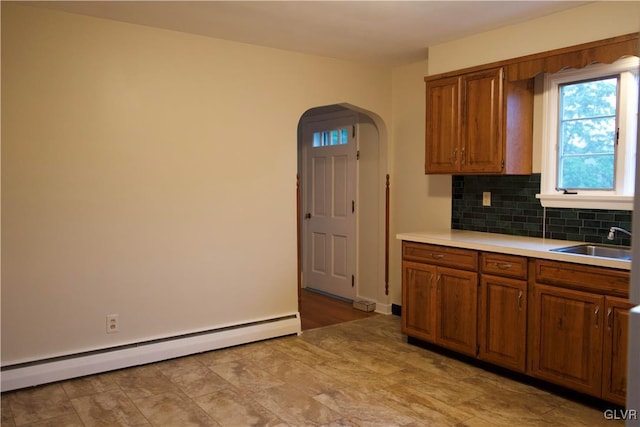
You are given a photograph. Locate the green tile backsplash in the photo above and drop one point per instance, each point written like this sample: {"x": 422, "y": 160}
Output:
{"x": 515, "y": 210}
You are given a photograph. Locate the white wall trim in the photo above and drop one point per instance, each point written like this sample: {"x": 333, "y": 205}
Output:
{"x": 383, "y": 308}
{"x": 33, "y": 374}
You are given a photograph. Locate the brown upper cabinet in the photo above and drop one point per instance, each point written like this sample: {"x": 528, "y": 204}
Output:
{"x": 478, "y": 123}
{"x": 480, "y": 120}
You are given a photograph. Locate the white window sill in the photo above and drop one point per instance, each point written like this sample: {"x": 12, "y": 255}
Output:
{"x": 581, "y": 201}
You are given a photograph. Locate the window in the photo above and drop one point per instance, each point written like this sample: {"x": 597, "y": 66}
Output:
{"x": 589, "y": 136}
{"x": 331, "y": 137}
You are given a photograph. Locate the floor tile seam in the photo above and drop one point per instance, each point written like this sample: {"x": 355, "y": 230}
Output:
{"x": 348, "y": 411}
{"x": 435, "y": 397}
{"x": 8, "y": 403}
{"x": 245, "y": 396}
{"x": 328, "y": 356}
{"x": 524, "y": 393}
{"x": 323, "y": 346}
{"x": 38, "y": 420}
{"x": 287, "y": 415}
{"x": 182, "y": 397}
{"x": 94, "y": 392}
{"x": 48, "y": 420}
{"x": 508, "y": 415}
{"x": 184, "y": 391}
{"x": 457, "y": 418}
{"x": 93, "y": 404}
{"x": 396, "y": 400}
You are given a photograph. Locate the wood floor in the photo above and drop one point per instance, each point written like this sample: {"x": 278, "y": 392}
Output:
{"x": 319, "y": 310}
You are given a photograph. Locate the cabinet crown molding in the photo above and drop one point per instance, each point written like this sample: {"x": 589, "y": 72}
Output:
{"x": 604, "y": 51}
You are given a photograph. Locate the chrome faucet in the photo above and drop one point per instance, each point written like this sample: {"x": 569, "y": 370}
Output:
{"x": 612, "y": 232}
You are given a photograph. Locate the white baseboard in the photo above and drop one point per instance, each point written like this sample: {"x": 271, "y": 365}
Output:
{"x": 43, "y": 372}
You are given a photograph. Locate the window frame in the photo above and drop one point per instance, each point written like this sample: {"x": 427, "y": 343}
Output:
{"x": 621, "y": 197}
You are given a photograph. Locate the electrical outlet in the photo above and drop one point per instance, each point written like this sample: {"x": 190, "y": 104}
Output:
{"x": 113, "y": 323}
{"x": 486, "y": 198}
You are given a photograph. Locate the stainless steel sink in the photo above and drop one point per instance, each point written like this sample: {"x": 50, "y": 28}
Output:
{"x": 603, "y": 251}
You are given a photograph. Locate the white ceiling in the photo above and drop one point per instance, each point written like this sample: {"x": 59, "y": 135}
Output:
{"x": 380, "y": 32}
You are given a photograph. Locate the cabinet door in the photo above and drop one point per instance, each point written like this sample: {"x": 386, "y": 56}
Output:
{"x": 482, "y": 122}
{"x": 502, "y": 321}
{"x": 614, "y": 359}
{"x": 567, "y": 338}
{"x": 442, "y": 137}
{"x": 457, "y": 320}
{"x": 418, "y": 300}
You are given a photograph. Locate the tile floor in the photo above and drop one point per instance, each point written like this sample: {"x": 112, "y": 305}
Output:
{"x": 359, "y": 373}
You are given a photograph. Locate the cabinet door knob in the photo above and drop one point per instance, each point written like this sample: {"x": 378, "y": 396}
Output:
{"x": 610, "y": 318}
{"x": 596, "y": 312}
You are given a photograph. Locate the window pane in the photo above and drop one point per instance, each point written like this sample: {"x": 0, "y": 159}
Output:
{"x": 592, "y": 172}
{"x": 587, "y": 134}
{"x": 590, "y": 136}
{"x": 334, "y": 137}
{"x": 331, "y": 137}
{"x": 589, "y": 99}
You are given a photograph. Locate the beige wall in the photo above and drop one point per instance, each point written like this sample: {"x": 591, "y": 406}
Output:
{"x": 150, "y": 173}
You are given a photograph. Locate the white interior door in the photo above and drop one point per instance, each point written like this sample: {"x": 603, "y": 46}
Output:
{"x": 329, "y": 252}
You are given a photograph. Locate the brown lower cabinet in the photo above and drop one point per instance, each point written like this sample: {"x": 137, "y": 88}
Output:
{"x": 567, "y": 338}
{"x": 579, "y": 327}
{"x": 560, "y": 322}
{"x": 614, "y": 360}
{"x": 440, "y": 305}
{"x": 502, "y": 325}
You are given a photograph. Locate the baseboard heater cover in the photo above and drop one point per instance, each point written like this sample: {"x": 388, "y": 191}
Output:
{"x": 43, "y": 372}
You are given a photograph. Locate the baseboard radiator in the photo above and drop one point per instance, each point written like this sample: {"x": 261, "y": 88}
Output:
{"x": 72, "y": 366}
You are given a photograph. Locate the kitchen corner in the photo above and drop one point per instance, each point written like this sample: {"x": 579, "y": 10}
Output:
{"x": 518, "y": 303}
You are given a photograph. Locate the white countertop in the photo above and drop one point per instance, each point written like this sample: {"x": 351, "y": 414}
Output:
{"x": 515, "y": 245}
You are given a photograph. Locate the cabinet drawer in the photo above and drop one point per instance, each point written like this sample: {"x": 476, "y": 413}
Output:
{"x": 440, "y": 255}
{"x": 503, "y": 265}
{"x": 599, "y": 280}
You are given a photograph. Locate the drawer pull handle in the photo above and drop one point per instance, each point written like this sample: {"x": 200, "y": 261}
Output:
{"x": 503, "y": 266}
{"x": 437, "y": 256}
{"x": 520, "y": 301}
{"x": 596, "y": 312}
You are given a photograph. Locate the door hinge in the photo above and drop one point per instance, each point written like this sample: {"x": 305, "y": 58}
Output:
{"x": 353, "y": 280}
{"x": 353, "y": 206}
{"x": 358, "y": 155}
{"x": 477, "y": 349}
{"x": 353, "y": 132}
{"x": 502, "y": 164}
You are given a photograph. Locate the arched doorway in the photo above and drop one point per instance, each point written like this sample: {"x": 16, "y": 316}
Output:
{"x": 361, "y": 200}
